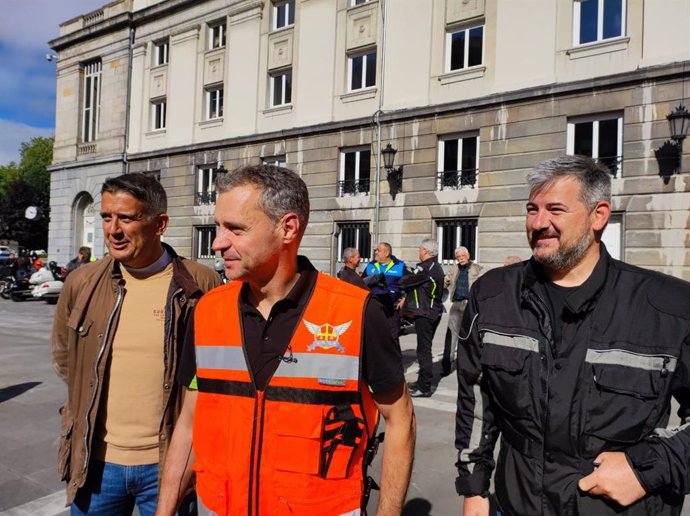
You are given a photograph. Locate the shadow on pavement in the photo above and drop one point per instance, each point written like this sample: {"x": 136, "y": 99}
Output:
{"x": 417, "y": 507}
{"x": 7, "y": 393}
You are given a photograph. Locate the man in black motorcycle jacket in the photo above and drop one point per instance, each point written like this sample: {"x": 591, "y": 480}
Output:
{"x": 572, "y": 358}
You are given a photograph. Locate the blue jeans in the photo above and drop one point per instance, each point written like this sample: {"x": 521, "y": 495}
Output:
{"x": 113, "y": 490}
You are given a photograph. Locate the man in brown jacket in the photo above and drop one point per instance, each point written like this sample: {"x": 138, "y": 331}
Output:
{"x": 116, "y": 336}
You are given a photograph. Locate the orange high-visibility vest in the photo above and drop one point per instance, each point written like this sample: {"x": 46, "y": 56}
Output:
{"x": 296, "y": 447}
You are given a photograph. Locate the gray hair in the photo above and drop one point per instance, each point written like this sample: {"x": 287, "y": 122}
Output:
{"x": 462, "y": 249}
{"x": 431, "y": 246}
{"x": 281, "y": 190}
{"x": 594, "y": 178}
{"x": 349, "y": 252}
{"x": 142, "y": 187}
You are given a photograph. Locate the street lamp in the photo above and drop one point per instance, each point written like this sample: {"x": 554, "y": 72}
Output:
{"x": 678, "y": 121}
{"x": 394, "y": 175}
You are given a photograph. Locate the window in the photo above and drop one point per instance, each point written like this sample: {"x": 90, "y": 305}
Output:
{"x": 216, "y": 36}
{"x": 283, "y": 14}
{"x": 91, "y": 101}
{"x": 613, "y": 236}
{"x": 276, "y": 161}
{"x": 458, "y": 159}
{"x": 204, "y": 240}
{"x": 214, "y": 103}
{"x": 160, "y": 53}
{"x": 354, "y": 171}
{"x": 158, "y": 112}
{"x": 600, "y": 137}
{"x": 354, "y": 234}
{"x": 464, "y": 48}
{"x": 281, "y": 88}
{"x": 451, "y": 234}
{"x": 358, "y": 2}
{"x": 597, "y": 20}
{"x": 205, "y": 186}
{"x": 362, "y": 71}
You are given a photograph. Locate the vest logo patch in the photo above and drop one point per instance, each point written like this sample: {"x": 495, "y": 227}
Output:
{"x": 326, "y": 335}
{"x": 332, "y": 382}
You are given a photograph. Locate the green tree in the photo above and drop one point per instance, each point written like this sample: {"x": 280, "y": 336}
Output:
{"x": 27, "y": 184}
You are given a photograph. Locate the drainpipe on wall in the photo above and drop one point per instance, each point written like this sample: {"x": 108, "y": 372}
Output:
{"x": 377, "y": 120}
{"x": 125, "y": 161}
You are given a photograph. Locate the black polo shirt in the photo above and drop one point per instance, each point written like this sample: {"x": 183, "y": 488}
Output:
{"x": 267, "y": 339}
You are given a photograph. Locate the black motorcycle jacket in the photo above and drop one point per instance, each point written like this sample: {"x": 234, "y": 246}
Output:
{"x": 606, "y": 386}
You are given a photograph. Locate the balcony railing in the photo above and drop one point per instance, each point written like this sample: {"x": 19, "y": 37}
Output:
{"x": 454, "y": 179}
{"x": 353, "y": 187}
{"x": 204, "y": 198}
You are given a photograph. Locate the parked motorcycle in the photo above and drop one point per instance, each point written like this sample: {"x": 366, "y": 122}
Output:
{"x": 47, "y": 283}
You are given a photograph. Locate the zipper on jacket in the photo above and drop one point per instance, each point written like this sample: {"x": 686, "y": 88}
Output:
{"x": 257, "y": 432}
{"x": 166, "y": 350}
{"x": 106, "y": 336}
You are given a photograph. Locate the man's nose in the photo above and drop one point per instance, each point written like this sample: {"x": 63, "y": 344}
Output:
{"x": 220, "y": 242}
{"x": 540, "y": 219}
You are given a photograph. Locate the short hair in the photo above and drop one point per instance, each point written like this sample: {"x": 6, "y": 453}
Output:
{"x": 387, "y": 247}
{"x": 349, "y": 252}
{"x": 281, "y": 190}
{"x": 143, "y": 187}
{"x": 431, "y": 246}
{"x": 462, "y": 249}
{"x": 85, "y": 251}
{"x": 593, "y": 177}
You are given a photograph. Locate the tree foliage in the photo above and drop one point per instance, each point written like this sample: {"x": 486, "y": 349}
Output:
{"x": 27, "y": 184}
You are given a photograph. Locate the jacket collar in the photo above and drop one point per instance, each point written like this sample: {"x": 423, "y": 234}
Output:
{"x": 581, "y": 299}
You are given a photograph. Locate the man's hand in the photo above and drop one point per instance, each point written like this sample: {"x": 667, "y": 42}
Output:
{"x": 400, "y": 303}
{"x": 475, "y": 506}
{"x": 613, "y": 478}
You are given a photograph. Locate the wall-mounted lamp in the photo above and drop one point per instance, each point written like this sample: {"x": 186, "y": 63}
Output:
{"x": 50, "y": 57}
{"x": 394, "y": 175}
{"x": 679, "y": 120}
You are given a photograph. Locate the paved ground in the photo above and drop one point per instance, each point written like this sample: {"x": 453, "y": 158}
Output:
{"x": 30, "y": 395}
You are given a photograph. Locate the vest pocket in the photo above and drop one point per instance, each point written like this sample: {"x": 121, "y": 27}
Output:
{"x": 211, "y": 490}
{"x": 298, "y": 435}
{"x": 65, "y": 445}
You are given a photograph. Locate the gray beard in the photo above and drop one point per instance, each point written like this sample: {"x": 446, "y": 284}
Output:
{"x": 566, "y": 259}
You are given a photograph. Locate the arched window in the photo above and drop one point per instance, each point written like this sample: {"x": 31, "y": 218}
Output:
{"x": 84, "y": 222}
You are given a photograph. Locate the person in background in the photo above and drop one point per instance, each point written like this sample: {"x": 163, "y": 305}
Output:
{"x": 510, "y": 260}
{"x": 459, "y": 280}
{"x": 383, "y": 277}
{"x": 423, "y": 300}
{"x": 83, "y": 257}
{"x": 118, "y": 329}
{"x": 348, "y": 273}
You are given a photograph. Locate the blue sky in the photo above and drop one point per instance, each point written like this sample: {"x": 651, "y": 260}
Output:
{"x": 27, "y": 80}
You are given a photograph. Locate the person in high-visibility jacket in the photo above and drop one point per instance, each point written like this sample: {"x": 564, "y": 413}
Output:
{"x": 289, "y": 370}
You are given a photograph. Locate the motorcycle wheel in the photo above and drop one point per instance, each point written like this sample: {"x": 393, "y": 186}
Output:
{"x": 17, "y": 297}
{"x": 4, "y": 293}
{"x": 52, "y": 300}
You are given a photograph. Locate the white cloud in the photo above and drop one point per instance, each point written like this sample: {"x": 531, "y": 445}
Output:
{"x": 12, "y": 135}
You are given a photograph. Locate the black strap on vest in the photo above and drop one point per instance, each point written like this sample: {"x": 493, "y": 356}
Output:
{"x": 229, "y": 387}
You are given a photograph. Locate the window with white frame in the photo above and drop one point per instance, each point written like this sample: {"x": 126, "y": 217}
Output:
{"x": 464, "y": 48}
{"x": 357, "y": 235}
{"x": 354, "y": 171}
{"x": 205, "y": 192}
{"x": 458, "y": 161}
{"x": 598, "y": 20}
{"x": 216, "y": 35}
{"x": 362, "y": 71}
{"x": 159, "y": 109}
{"x": 204, "y": 242}
{"x": 598, "y": 136}
{"x": 281, "y": 88}
{"x": 91, "y": 103}
{"x": 214, "y": 102}
{"x": 451, "y": 234}
{"x": 160, "y": 52}
{"x": 276, "y": 161}
{"x": 358, "y": 2}
{"x": 283, "y": 14}
{"x": 613, "y": 236}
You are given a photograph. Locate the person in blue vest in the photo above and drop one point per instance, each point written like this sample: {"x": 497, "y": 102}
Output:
{"x": 383, "y": 277}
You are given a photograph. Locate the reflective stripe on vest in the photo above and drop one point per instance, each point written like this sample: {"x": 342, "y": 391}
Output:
{"x": 263, "y": 452}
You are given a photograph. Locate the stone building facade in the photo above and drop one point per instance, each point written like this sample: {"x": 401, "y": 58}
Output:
{"x": 471, "y": 93}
